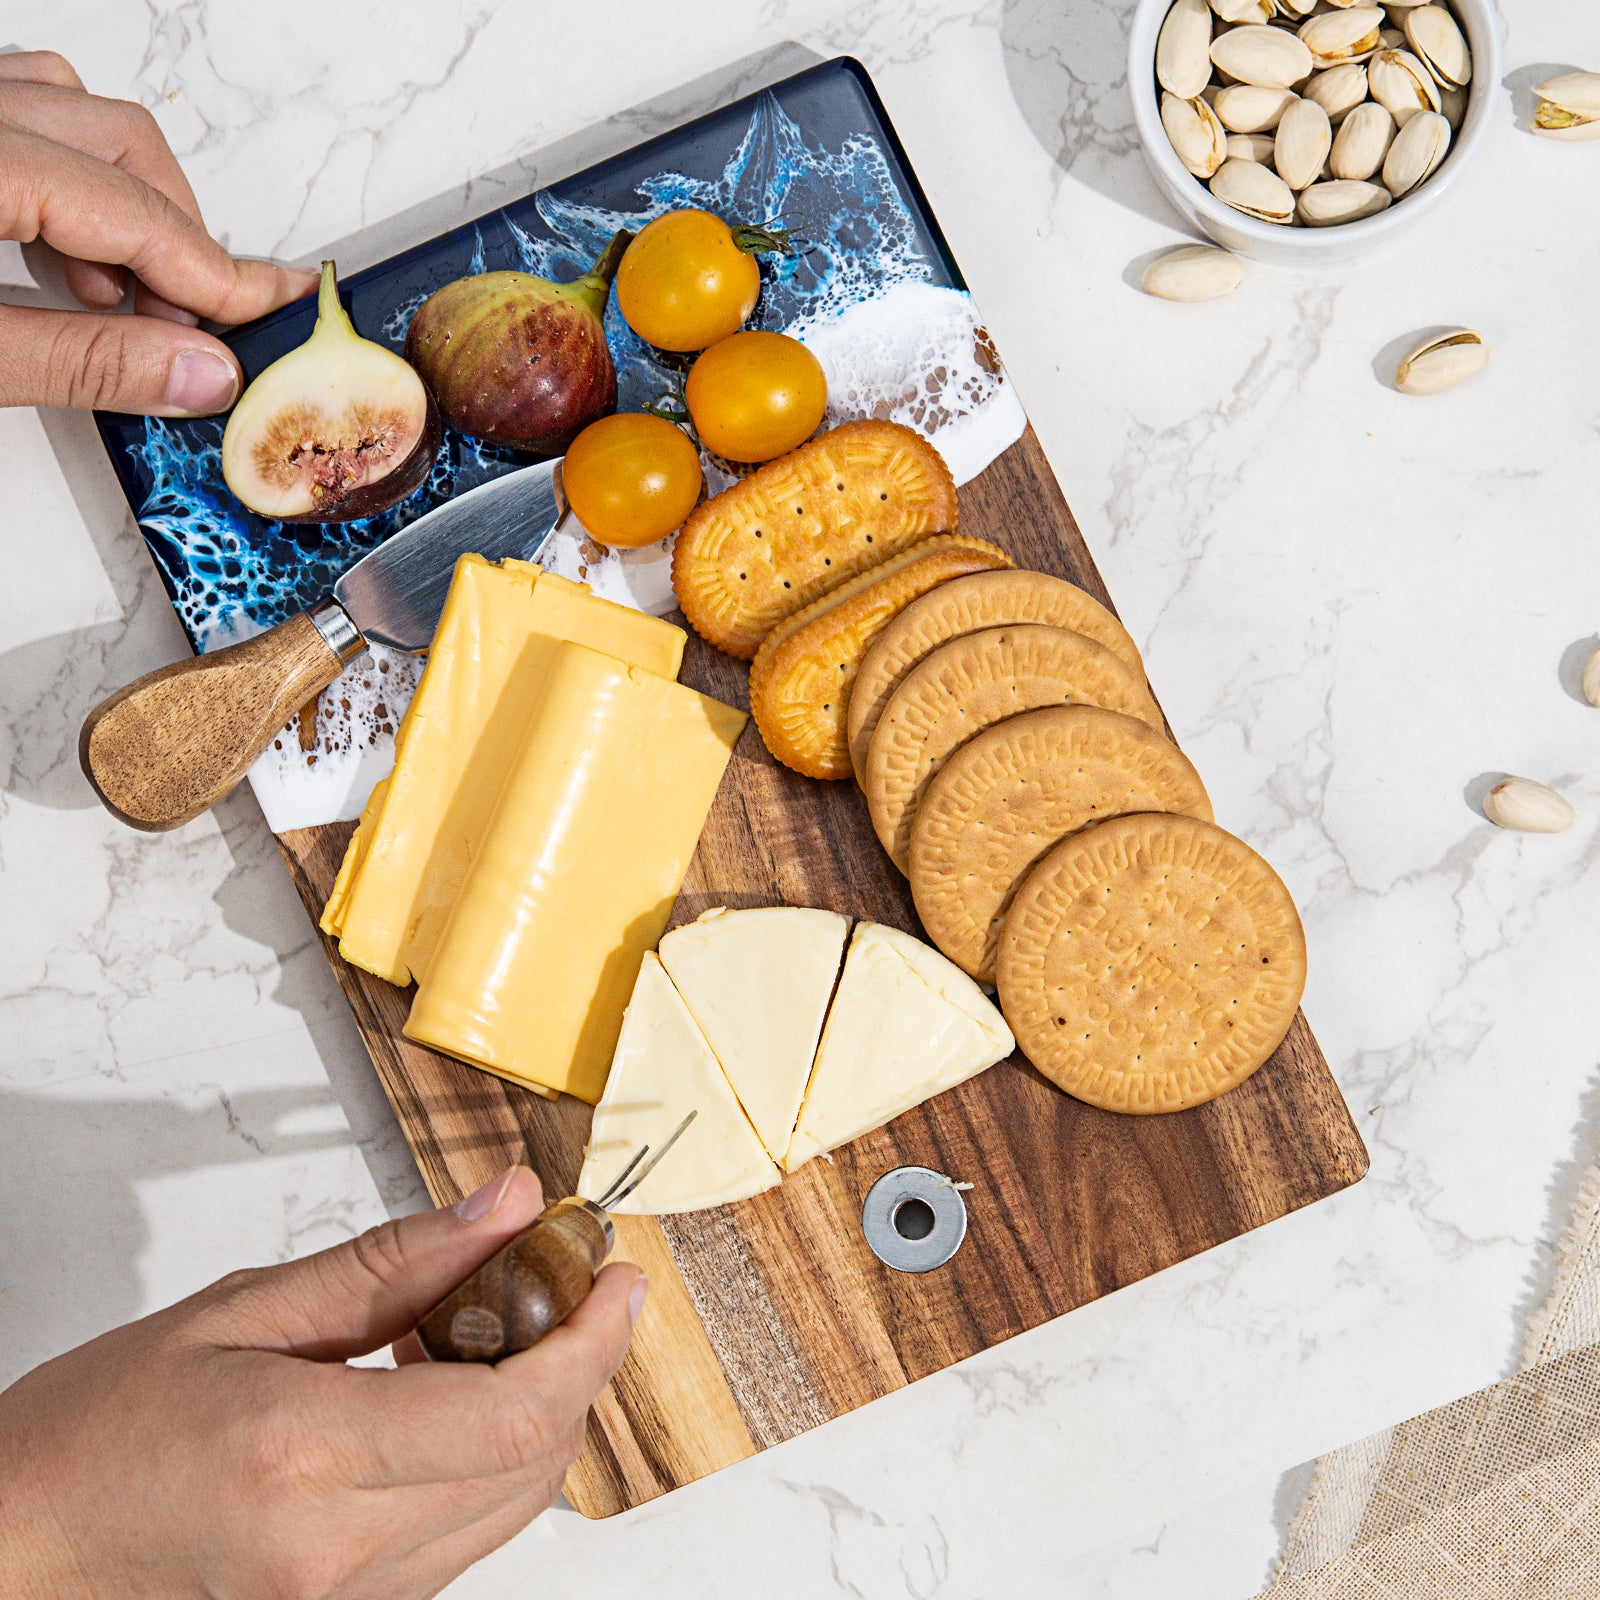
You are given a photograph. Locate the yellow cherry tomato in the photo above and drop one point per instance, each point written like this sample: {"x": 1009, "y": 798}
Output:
{"x": 685, "y": 282}
{"x": 756, "y": 395}
{"x": 631, "y": 479}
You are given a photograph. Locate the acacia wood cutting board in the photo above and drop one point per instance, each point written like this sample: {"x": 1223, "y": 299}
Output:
{"x": 771, "y": 1316}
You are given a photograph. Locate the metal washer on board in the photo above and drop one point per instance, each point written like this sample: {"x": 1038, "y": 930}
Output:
{"x": 914, "y": 1219}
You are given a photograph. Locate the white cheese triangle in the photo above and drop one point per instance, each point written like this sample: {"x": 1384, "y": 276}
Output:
{"x": 758, "y": 983}
{"x": 663, "y": 1069}
{"x": 905, "y": 1024}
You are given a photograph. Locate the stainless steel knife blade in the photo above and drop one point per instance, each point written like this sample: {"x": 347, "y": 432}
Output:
{"x": 395, "y": 594}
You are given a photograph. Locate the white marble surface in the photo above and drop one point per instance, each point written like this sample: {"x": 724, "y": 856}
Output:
{"x": 1353, "y": 604}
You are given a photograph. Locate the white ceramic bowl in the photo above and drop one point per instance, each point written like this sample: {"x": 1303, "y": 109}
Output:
{"x": 1266, "y": 241}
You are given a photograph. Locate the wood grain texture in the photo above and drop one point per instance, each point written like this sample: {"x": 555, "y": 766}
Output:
{"x": 768, "y": 1317}
{"x": 172, "y": 743}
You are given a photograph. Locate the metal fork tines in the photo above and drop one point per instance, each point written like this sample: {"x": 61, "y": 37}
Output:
{"x": 621, "y": 1188}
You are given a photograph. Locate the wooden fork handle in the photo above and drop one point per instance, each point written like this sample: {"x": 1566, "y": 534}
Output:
{"x": 519, "y": 1294}
{"x": 175, "y": 741}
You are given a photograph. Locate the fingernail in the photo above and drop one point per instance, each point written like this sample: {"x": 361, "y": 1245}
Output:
{"x": 201, "y": 381}
{"x": 482, "y": 1201}
{"x": 636, "y": 1298}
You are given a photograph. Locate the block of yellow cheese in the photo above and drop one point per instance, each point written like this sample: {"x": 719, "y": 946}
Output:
{"x": 602, "y": 806}
{"x": 332, "y": 919}
{"x": 466, "y": 721}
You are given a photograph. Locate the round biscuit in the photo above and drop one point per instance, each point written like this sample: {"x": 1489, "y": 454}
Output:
{"x": 1014, "y": 791}
{"x": 1150, "y": 963}
{"x": 988, "y": 600}
{"x": 969, "y": 684}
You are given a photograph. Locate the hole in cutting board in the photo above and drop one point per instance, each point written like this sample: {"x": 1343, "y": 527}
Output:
{"x": 913, "y": 1219}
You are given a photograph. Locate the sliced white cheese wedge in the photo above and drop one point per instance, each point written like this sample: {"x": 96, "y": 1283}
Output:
{"x": 906, "y": 1024}
{"x": 664, "y": 1069}
{"x": 758, "y": 983}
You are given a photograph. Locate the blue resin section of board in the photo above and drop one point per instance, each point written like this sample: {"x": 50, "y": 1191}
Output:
{"x": 814, "y": 152}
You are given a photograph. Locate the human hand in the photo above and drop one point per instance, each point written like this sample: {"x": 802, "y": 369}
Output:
{"x": 221, "y": 1448}
{"x": 95, "y": 179}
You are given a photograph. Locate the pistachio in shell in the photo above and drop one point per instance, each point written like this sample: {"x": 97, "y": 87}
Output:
{"x": 1401, "y": 85}
{"x": 517, "y": 359}
{"x": 1334, "y": 37}
{"x": 1269, "y": 58}
{"x": 1248, "y": 108}
{"x": 1255, "y": 190}
{"x": 1198, "y": 139}
{"x": 1441, "y": 362}
{"x": 1569, "y": 106}
{"x": 1324, "y": 205}
{"x": 1303, "y": 141}
{"x": 1338, "y": 90}
{"x": 1194, "y": 273}
{"x": 1362, "y": 142}
{"x": 1438, "y": 42}
{"x": 1183, "y": 65}
{"x": 1417, "y": 150}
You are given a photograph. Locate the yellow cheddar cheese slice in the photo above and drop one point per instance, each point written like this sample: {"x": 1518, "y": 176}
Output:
{"x": 332, "y": 920}
{"x": 490, "y": 656}
{"x": 604, "y": 797}
{"x": 664, "y": 1069}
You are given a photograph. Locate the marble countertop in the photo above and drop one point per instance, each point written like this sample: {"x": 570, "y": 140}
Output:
{"x": 1355, "y": 606}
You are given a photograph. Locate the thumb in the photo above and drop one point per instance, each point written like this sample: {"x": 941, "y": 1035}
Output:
{"x": 360, "y": 1296}
{"x": 143, "y": 364}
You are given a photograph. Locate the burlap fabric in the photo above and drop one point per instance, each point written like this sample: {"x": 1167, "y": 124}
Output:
{"x": 1496, "y": 1495}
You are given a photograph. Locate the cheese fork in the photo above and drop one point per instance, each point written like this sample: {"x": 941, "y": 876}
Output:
{"x": 534, "y": 1283}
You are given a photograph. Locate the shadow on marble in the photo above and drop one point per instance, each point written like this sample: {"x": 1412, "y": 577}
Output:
{"x": 1067, "y": 64}
{"x": 1519, "y": 84}
{"x": 70, "y": 1168}
{"x": 1476, "y": 791}
{"x": 572, "y": 153}
{"x": 1573, "y": 660}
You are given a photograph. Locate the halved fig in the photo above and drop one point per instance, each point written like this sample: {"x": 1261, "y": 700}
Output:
{"x": 337, "y": 429}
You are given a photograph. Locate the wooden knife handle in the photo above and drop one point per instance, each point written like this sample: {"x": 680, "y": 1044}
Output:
{"x": 516, "y": 1297}
{"x": 175, "y": 741}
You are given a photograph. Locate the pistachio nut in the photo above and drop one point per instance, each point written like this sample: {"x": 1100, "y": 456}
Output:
{"x": 1391, "y": 39}
{"x": 1441, "y": 362}
{"x": 1417, "y": 150}
{"x": 1196, "y": 272}
{"x": 1303, "y": 141}
{"x": 1296, "y": 8}
{"x": 1591, "y": 679}
{"x": 1183, "y": 62}
{"x": 1453, "y": 103}
{"x": 1403, "y": 5}
{"x": 1338, "y": 90}
{"x": 1362, "y": 142}
{"x": 1198, "y": 138}
{"x": 1269, "y": 58}
{"x": 1255, "y": 190}
{"x": 1250, "y": 147}
{"x": 1247, "y": 108}
{"x": 1438, "y": 42}
{"x": 1528, "y": 807}
{"x": 1341, "y": 200}
{"x": 1243, "y": 11}
{"x": 1569, "y": 106}
{"x": 1401, "y": 84}
{"x": 1337, "y": 36}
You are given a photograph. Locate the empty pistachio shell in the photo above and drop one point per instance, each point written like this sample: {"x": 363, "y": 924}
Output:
{"x": 1342, "y": 200}
{"x": 1338, "y": 36}
{"x": 1441, "y": 362}
{"x": 1199, "y": 140}
{"x": 1243, "y": 11}
{"x": 1401, "y": 84}
{"x": 1304, "y": 138}
{"x": 1183, "y": 62}
{"x": 1440, "y": 44}
{"x": 1270, "y": 58}
{"x": 1362, "y": 142}
{"x": 1418, "y": 148}
{"x": 1528, "y": 807}
{"x": 1338, "y": 90}
{"x": 1196, "y": 272}
{"x": 1249, "y": 187}
{"x": 1453, "y": 103}
{"x": 1569, "y": 106}
{"x": 1591, "y": 679}
{"x": 1247, "y": 108}
{"x": 1250, "y": 147}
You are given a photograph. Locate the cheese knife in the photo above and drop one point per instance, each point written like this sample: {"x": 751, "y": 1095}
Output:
{"x": 174, "y": 742}
{"x": 534, "y": 1283}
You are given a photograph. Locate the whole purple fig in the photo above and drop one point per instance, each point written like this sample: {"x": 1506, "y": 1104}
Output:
{"x": 516, "y": 359}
